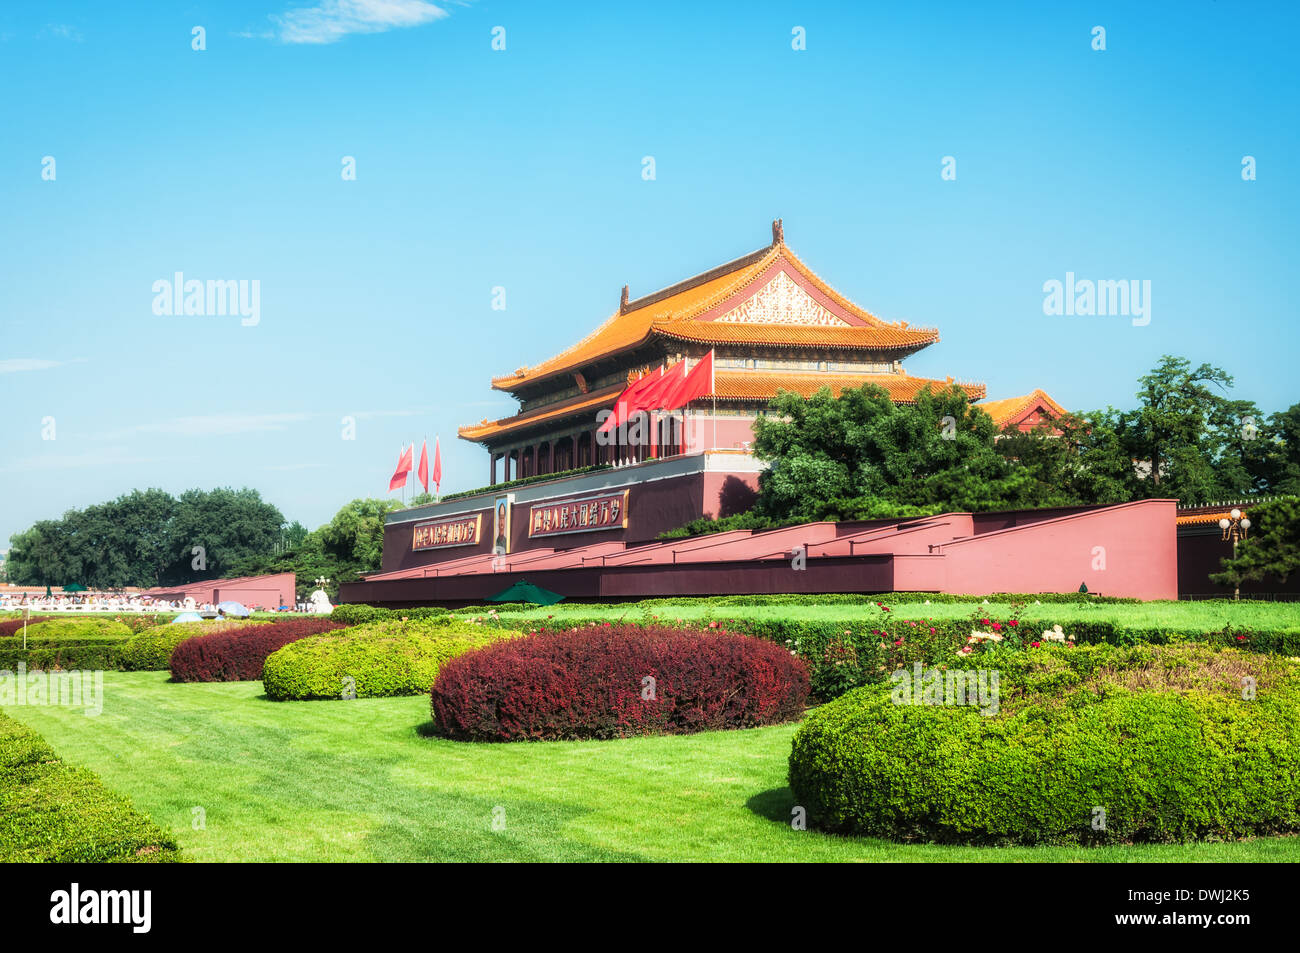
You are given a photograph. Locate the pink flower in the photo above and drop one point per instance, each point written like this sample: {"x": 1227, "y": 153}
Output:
{"x": 1013, "y": 623}
{"x": 898, "y": 641}
{"x": 997, "y": 626}
{"x": 1034, "y": 645}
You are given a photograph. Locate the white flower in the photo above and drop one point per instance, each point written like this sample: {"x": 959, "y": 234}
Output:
{"x": 984, "y": 637}
{"x": 1054, "y": 634}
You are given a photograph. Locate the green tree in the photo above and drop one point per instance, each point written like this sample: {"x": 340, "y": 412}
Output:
{"x": 356, "y": 533}
{"x": 1077, "y": 459}
{"x": 861, "y": 455}
{"x": 1271, "y": 550}
{"x": 1174, "y": 430}
{"x": 1281, "y": 449}
{"x": 225, "y": 526}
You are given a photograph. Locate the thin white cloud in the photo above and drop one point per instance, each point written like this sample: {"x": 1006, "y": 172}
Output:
{"x": 369, "y": 414}
{"x": 62, "y": 31}
{"x": 103, "y": 457}
{"x": 211, "y": 425}
{"x": 331, "y": 20}
{"x": 13, "y": 365}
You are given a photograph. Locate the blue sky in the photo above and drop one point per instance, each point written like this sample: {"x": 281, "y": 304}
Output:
{"x": 522, "y": 168}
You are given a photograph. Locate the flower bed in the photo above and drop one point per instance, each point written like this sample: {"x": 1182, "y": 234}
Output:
{"x": 1078, "y": 744}
{"x": 607, "y": 681}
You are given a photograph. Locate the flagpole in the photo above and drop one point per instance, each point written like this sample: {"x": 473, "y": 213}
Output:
{"x": 713, "y": 389}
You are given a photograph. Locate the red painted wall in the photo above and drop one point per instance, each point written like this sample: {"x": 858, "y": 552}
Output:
{"x": 268, "y": 592}
{"x": 1129, "y": 550}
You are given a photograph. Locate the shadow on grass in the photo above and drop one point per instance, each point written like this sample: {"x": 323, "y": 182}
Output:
{"x": 774, "y": 805}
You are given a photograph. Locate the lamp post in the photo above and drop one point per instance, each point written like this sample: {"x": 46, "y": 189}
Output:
{"x": 1234, "y": 527}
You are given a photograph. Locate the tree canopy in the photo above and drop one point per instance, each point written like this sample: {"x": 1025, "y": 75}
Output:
{"x": 1271, "y": 549}
{"x": 146, "y": 538}
{"x": 861, "y": 456}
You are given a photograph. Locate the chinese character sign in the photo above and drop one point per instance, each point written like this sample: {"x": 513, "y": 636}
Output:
{"x": 578, "y": 516}
{"x": 456, "y": 531}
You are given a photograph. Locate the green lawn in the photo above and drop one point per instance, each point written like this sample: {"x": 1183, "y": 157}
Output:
{"x": 361, "y": 780}
{"x": 1192, "y": 616}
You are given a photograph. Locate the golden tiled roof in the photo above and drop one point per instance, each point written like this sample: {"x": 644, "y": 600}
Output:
{"x": 759, "y": 385}
{"x": 588, "y": 403}
{"x": 1009, "y": 409}
{"x": 1209, "y": 514}
{"x": 790, "y": 335}
{"x": 675, "y": 311}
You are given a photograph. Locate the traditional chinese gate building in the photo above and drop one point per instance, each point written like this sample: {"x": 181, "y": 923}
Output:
{"x": 772, "y": 324}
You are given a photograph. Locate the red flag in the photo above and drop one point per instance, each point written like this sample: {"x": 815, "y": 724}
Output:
{"x": 628, "y": 401}
{"x": 437, "y": 467}
{"x": 698, "y": 383}
{"x": 423, "y": 471}
{"x": 656, "y": 395}
{"x": 403, "y": 468}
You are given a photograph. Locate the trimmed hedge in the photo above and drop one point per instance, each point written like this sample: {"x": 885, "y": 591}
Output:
{"x": 86, "y": 644}
{"x": 616, "y": 681}
{"x": 237, "y": 655}
{"x": 151, "y": 650}
{"x": 53, "y": 812}
{"x": 389, "y": 657}
{"x": 75, "y": 630}
{"x": 356, "y": 614}
{"x": 818, "y": 599}
{"x": 1157, "y": 742}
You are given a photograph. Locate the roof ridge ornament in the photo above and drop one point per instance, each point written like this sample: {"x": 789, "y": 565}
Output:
{"x": 778, "y": 232}
{"x": 622, "y": 304}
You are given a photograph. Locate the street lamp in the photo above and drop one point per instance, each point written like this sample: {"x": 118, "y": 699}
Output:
{"x": 1234, "y": 527}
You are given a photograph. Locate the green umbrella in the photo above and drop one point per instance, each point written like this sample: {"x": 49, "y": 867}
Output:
{"x": 48, "y": 594}
{"x": 525, "y": 591}
{"x": 75, "y": 587}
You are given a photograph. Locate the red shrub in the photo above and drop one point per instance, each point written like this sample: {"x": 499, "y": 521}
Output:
{"x": 595, "y": 682}
{"x": 237, "y": 655}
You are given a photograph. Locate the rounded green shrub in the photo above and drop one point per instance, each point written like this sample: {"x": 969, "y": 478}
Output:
{"x": 151, "y": 649}
{"x": 388, "y": 657}
{"x": 77, "y": 630}
{"x": 1088, "y": 744}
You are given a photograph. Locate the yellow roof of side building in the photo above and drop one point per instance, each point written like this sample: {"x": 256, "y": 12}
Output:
{"x": 1011, "y": 409}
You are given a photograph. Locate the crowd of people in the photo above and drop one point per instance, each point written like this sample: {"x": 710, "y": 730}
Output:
{"x": 98, "y": 602}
